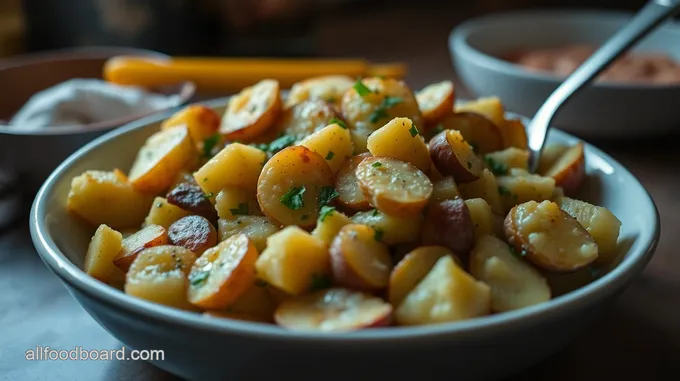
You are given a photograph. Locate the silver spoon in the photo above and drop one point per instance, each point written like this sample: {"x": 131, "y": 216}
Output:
{"x": 654, "y": 13}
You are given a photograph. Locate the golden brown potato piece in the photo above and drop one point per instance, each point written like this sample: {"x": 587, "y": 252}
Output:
{"x": 304, "y": 119}
{"x": 252, "y": 111}
{"x": 293, "y": 261}
{"x": 601, "y": 223}
{"x": 490, "y": 107}
{"x": 453, "y": 156}
{"x": 233, "y": 201}
{"x": 444, "y": 189}
{"x": 236, "y": 164}
{"x": 374, "y": 101}
{"x": 292, "y": 186}
{"x": 391, "y": 229}
{"x": 448, "y": 223}
{"x": 256, "y": 228}
{"x": 412, "y": 269}
{"x": 256, "y": 302}
{"x": 202, "y": 122}
{"x": 159, "y": 274}
{"x": 223, "y": 273}
{"x": 548, "y": 237}
{"x": 105, "y": 198}
{"x": 149, "y": 236}
{"x": 165, "y": 154}
{"x": 514, "y": 134}
{"x": 500, "y": 162}
{"x": 447, "y": 293}
{"x": 516, "y": 190}
{"x": 549, "y": 156}
{"x": 328, "y": 88}
{"x": 190, "y": 197}
{"x": 514, "y": 283}
{"x": 393, "y": 186}
{"x": 329, "y": 224}
{"x": 482, "y": 216}
{"x": 436, "y": 101}
{"x": 194, "y": 233}
{"x": 481, "y": 133}
{"x": 401, "y": 140}
{"x": 347, "y": 185}
{"x": 359, "y": 261}
{"x": 569, "y": 170}
{"x": 486, "y": 188}
{"x": 333, "y": 310}
{"x": 163, "y": 213}
{"x": 333, "y": 143}
{"x": 103, "y": 248}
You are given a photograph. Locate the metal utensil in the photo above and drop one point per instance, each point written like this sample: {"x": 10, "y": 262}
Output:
{"x": 654, "y": 13}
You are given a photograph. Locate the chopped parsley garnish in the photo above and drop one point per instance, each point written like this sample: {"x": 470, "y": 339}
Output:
{"x": 377, "y": 164}
{"x": 504, "y": 191}
{"x": 339, "y": 123}
{"x": 326, "y": 211}
{"x": 242, "y": 210}
{"x": 496, "y": 167}
{"x": 361, "y": 89}
{"x": 375, "y": 212}
{"x": 327, "y": 195}
{"x": 293, "y": 198}
{"x": 208, "y": 195}
{"x": 320, "y": 282}
{"x": 381, "y": 111}
{"x": 331, "y": 100}
{"x": 198, "y": 278}
{"x": 209, "y": 144}
{"x": 277, "y": 144}
{"x": 413, "y": 131}
{"x": 330, "y": 155}
{"x": 378, "y": 234}
{"x": 474, "y": 147}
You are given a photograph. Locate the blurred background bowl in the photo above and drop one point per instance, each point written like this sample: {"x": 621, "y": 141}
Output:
{"x": 30, "y": 156}
{"x": 604, "y": 109}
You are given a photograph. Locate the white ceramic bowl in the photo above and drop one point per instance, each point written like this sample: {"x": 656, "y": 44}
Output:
{"x": 198, "y": 347}
{"x": 601, "y": 110}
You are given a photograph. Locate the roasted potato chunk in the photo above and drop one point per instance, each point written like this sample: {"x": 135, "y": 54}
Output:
{"x": 601, "y": 223}
{"x": 448, "y": 223}
{"x": 233, "y": 201}
{"x": 516, "y": 190}
{"x": 149, "y": 236}
{"x": 236, "y": 164}
{"x": 392, "y": 230}
{"x": 202, "y": 122}
{"x": 292, "y": 186}
{"x": 333, "y": 310}
{"x": 223, "y": 273}
{"x": 490, "y": 107}
{"x": 252, "y": 111}
{"x": 328, "y": 88}
{"x": 548, "y": 237}
{"x": 485, "y": 188}
{"x": 256, "y": 228}
{"x": 163, "y": 213}
{"x": 401, "y": 140}
{"x": 103, "y": 248}
{"x": 329, "y": 224}
{"x": 482, "y": 216}
{"x": 190, "y": 197}
{"x": 159, "y": 274}
{"x": 569, "y": 170}
{"x": 333, "y": 143}
{"x": 359, "y": 260}
{"x": 304, "y": 119}
{"x": 447, "y": 293}
{"x": 393, "y": 186}
{"x": 480, "y": 132}
{"x": 453, "y": 156}
{"x": 514, "y": 283}
{"x": 347, "y": 185}
{"x": 436, "y": 101}
{"x": 195, "y": 233}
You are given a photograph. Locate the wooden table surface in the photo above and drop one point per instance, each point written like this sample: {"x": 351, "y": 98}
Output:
{"x": 637, "y": 338}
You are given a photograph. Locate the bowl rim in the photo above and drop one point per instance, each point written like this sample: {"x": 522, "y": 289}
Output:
{"x": 185, "y": 90}
{"x": 73, "y": 276}
{"x": 459, "y": 46}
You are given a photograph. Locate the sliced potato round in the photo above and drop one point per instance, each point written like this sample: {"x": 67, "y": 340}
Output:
{"x": 347, "y": 185}
{"x": 393, "y": 186}
{"x": 359, "y": 260}
{"x": 304, "y": 119}
{"x": 333, "y": 310}
{"x": 159, "y": 274}
{"x": 392, "y": 229}
{"x": 290, "y": 185}
{"x": 194, "y": 232}
{"x": 481, "y": 133}
{"x": 202, "y": 122}
{"x": 436, "y": 101}
{"x": 328, "y": 88}
{"x": 400, "y": 139}
{"x": 549, "y": 237}
{"x": 453, "y": 156}
{"x": 190, "y": 197}
{"x": 514, "y": 283}
{"x": 252, "y": 111}
{"x": 256, "y": 228}
{"x": 569, "y": 170}
{"x": 132, "y": 245}
{"x": 412, "y": 269}
{"x": 448, "y": 223}
{"x": 223, "y": 273}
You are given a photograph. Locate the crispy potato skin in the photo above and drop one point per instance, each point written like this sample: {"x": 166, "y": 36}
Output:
{"x": 347, "y": 185}
{"x": 448, "y": 223}
{"x": 454, "y": 157}
{"x": 190, "y": 197}
{"x": 570, "y": 169}
{"x": 253, "y": 111}
{"x": 194, "y": 232}
{"x": 479, "y": 131}
{"x": 149, "y": 236}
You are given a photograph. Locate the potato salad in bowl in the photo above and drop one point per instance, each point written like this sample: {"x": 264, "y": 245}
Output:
{"x": 344, "y": 204}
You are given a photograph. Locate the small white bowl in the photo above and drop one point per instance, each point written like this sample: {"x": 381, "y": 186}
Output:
{"x": 603, "y": 109}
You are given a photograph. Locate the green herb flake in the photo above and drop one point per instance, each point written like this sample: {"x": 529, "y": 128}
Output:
{"x": 277, "y": 144}
{"x": 375, "y": 212}
{"x": 208, "y": 195}
{"x": 325, "y": 212}
{"x": 205, "y": 179}
{"x": 327, "y": 195}
{"x": 331, "y": 100}
{"x": 378, "y": 234}
{"x": 209, "y": 144}
{"x": 381, "y": 111}
{"x": 520, "y": 254}
{"x": 339, "y": 122}
{"x": 361, "y": 89}
{"x": 377, "y": 164}
{"x": 437, "y": 129}
{"x": 320, "y": 282}
{"x": 293, "y": 198}
{"x": 330, "y": 155}
{"x": 198, "y": 278}
{"x": 413, "y": 131}
{"x": 242, "y": 210}
{"x": 504, "y": 191}
{"x": 496, "y": 167}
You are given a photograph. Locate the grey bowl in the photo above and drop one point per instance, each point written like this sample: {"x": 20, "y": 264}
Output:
{"x": 198, "y": 347}
{"x": 601, "y": 110}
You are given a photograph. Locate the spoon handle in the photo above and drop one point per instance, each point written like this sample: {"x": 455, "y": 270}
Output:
{"x": 647, "y": 19}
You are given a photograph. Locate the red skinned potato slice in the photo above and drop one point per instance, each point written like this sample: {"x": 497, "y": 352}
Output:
{"x": 448, "y": 223}
{"x": 359, "y": 260}
{"x": 481, "y": 133}
{"x": 190, "y": 197}
{"x": 436, "y": 101}
{"x": 569, "y": 170}
{"x": 333, "y": 310}
{"x": 453, "y": 156}
{"x": 347, "y": 185}
{"x": 194, "y": 233}
{"x": 149, "y": 236}
{"x": 252, "y": 111}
